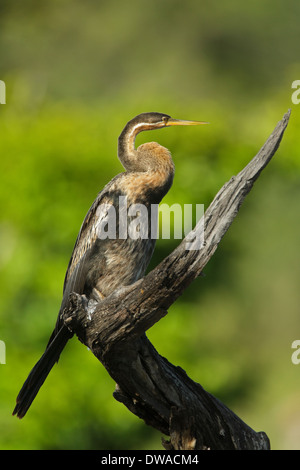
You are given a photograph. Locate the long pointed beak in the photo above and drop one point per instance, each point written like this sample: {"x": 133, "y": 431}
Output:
{"x": 181, "y": 122}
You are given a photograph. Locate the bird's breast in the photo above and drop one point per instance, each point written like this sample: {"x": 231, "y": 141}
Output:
{"x": 146, "y": 188}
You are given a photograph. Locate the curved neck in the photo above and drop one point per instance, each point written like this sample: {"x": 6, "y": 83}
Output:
{"x": 148, "y": 157}
{"x": 126, "y": 149}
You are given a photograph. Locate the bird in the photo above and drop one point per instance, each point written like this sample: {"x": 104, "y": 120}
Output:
{"x": 98, "y": 265}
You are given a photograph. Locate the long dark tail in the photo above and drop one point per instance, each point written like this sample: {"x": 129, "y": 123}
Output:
{"x": 40, "y": 371}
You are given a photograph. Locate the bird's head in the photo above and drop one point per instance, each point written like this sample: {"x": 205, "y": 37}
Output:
{"x": 135, "y": 160}
{"x": 150, "y": 121}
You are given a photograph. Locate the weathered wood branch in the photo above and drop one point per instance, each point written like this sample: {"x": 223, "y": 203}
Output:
{"x": 148, "y": 384}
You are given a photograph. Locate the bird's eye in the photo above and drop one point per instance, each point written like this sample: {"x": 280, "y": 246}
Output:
{"x": 165, "y": 119}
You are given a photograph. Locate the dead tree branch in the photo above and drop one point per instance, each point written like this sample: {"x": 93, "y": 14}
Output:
{"x": 114, "y": 329}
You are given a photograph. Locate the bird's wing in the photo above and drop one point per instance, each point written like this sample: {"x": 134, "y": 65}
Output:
{"x": 77, "y": 268}
{"x": 88, "y": 234}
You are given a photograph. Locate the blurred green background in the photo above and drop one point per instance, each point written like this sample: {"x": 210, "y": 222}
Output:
{"x": 75, "y": 73}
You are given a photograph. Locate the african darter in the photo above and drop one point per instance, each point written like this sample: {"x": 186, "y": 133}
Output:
{"x": 99, "y": 265}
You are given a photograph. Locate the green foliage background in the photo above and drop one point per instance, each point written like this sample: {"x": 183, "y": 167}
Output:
{"x": 75, "y": 73}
